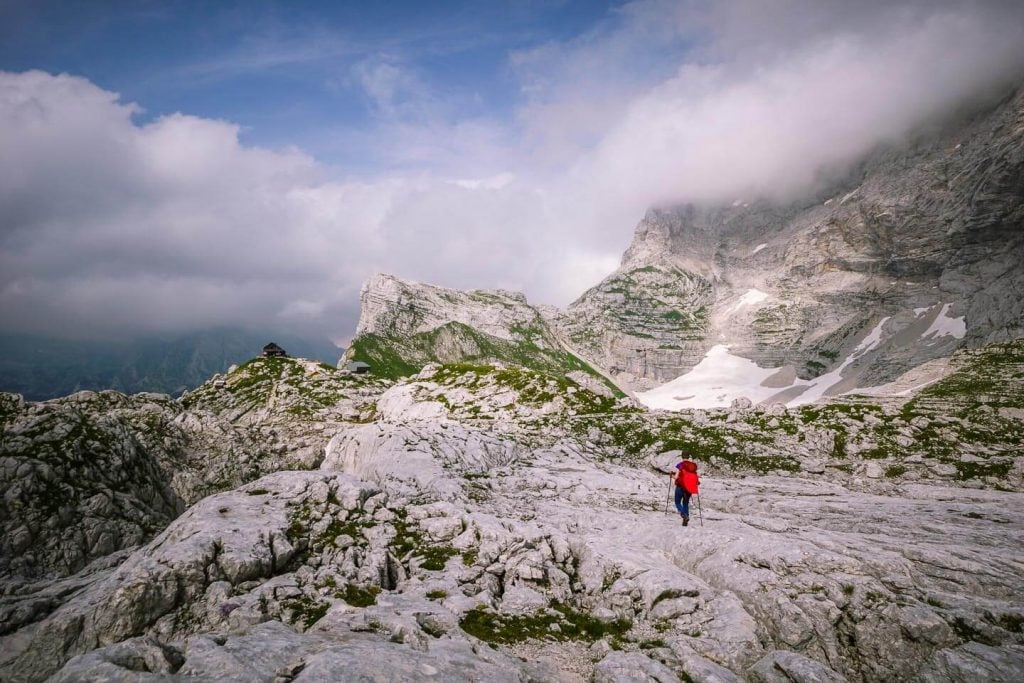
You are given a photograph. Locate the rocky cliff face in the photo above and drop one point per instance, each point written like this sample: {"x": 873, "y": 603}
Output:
{"x": 635, "y": 335}
{"x": 927, "y": 241}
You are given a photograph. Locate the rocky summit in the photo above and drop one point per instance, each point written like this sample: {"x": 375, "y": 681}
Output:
{"x": 491, "y": 501}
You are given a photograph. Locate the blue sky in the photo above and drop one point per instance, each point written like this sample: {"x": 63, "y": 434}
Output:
{"x": 295, "y": 73}
{"x": 169, "y": 166}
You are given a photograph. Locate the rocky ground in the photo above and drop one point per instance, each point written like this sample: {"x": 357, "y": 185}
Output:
{"x": 95, "y": 472}
{"x": 482, "y": 523}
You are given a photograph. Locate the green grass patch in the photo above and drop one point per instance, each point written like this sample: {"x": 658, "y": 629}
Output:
{"x": 1014, "y": 623}
{"x": 407, "y": 542}
{"x": 967, "y": 632}
{"x": 505, "y": 629}
{"x": 357, "y": 596}
{"x": 382, "y": 356}
{"x": 894, "y": 471}
{"x": 305, "y": 610}
{"x": 668, "y": 594}
{"x": 534, "y": 348}
{"x": 977, "y": 470}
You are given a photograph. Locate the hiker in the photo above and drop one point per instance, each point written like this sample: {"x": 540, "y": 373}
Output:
{"x": 687, "y": 482}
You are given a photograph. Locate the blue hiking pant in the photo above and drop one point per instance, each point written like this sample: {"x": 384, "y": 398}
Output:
{"x": 683, "y": 501}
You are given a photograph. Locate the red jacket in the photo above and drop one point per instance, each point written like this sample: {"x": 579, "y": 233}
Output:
{"x": 687, "y": 476}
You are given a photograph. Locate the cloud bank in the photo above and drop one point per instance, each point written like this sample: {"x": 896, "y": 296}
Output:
{"x": 112, "y": 227}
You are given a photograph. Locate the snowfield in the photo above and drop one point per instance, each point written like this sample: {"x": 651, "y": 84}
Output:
{"x": 722, "y": 377}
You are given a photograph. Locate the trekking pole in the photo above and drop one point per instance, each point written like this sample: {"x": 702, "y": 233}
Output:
{"x": 700, "y": 512}
{"x": 669, "y": 498}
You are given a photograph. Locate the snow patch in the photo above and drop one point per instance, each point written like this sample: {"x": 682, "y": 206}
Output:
{"x": 819, "y": 385}
{"x": 713, "y": 383}
{"x": 721, "y": 377}
{"x": 869, "y": 342}
{"x": 749, "y": 298}
{"x": 946, "y": 326}
{"x": 758, "y": 248}
{"x": 848, "y": 196}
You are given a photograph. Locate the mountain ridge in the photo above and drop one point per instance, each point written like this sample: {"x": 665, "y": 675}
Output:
{"x": 405, "y": 325}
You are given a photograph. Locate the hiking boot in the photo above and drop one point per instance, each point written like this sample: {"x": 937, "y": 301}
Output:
{"x": 686, "y": 521}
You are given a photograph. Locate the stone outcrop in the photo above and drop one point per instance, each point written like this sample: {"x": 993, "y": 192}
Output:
{"x": 79, "y": 483}
{"x": 643, "y": 322}
{"x": 96, "y": 472}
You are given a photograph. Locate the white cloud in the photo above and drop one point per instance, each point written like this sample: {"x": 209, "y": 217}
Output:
{"x": 772, "y": 126}
{"x": 301, "y": 309}
{"x": 392, "y": 88}
{"x": 112, "y": 227}
{"x": 495, "y": 182}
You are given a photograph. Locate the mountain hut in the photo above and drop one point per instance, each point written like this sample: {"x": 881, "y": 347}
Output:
{"x": 272, "y": 350}
{"x": 357, "y": 367}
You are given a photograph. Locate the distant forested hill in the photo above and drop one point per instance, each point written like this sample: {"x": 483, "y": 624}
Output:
{"x": 40, "y": 368}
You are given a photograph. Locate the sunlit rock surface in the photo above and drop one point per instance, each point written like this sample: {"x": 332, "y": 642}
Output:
{"x": 486, "y": 507}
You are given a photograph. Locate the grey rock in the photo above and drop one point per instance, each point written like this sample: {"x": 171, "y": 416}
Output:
{"x": 426, "y": 324}
{"x": 226, "y": 537}
{"x": 741, "y": 403}
{"x": 974, "y": 661}
{"x": 133, "y": 660}
{"x": 632, "y": 667}
{"x": 702, "y": 670}
{"x": 789, "y": 667}
{"x": 522, "y": 600}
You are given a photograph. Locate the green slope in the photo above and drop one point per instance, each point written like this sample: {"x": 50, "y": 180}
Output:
{"x": 453, "y": 342}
